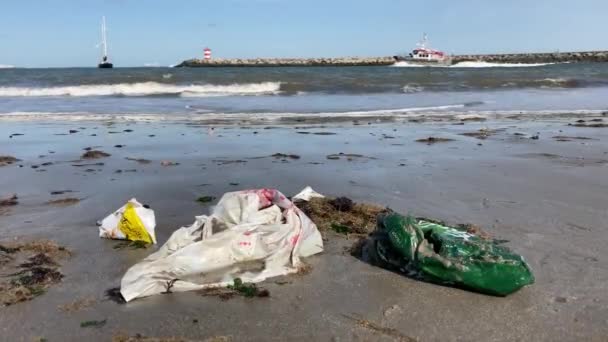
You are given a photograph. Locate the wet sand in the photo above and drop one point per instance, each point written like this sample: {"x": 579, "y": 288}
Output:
{"x": 547, "y": 196}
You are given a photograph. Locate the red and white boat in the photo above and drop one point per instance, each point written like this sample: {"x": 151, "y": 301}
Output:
{"x": 424, "y": 55}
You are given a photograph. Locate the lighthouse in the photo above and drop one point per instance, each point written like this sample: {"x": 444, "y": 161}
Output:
{"x": 207, "y": 53}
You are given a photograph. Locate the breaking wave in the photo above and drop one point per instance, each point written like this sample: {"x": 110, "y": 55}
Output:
{"x": 496, "y": 65}
{"x": 208, "y": 115}
{"x": 145, "y": 89}
{"x": 471, "y": 64}
{"x": 412, "y": 88}
{"x": 6, "y": 66}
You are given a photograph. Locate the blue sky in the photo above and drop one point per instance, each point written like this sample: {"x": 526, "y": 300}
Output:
{"x": 56, "y": 33}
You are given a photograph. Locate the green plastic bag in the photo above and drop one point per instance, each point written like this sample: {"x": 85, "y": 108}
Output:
{"x": 450, "y": 256}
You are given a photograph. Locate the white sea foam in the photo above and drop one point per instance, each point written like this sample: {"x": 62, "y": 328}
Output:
{"x": 412, "y": 88}
{"x": 145, "y": 89}
{"x": 6, "y": 66}
{"x": 555, "y": 81}
{"x": 207, "y": 115}
{"x": 471, "y": 64}
{"x": 440, "y": 112}
{"x": 403, "y": 64}
{"x": 496, "y": 65}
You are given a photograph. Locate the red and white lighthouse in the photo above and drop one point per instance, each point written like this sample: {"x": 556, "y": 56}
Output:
{"x": 207, "y": 53}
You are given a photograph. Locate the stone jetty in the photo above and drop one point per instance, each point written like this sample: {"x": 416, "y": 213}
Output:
{"x": 552, "y": 57}
{"x": 275, "y": 62}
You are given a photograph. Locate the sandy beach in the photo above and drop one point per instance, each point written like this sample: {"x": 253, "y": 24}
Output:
{"x": 546, "y": 196}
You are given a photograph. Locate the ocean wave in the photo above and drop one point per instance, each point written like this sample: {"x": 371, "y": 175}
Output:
{"x": 145, "y": 89}
{"x": 471, "y": 64}
{"x": 6, "y": 66}
{"x": 208, "y": 115}
{"x": 412, "y": 88}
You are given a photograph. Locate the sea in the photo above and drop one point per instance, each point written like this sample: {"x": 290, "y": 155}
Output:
{"x": 183, "y": 94}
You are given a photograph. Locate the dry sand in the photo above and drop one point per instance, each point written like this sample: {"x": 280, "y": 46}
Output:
{"x": 547, "y": 196}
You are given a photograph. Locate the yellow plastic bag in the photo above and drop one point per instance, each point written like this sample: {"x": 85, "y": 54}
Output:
{"x": 132, "y": 227}
{"x": 132, "y": 222}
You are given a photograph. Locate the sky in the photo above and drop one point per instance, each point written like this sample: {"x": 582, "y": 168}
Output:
{"x": 64, "y": 33}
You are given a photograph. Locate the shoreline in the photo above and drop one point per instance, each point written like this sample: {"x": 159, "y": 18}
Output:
{"x": 291, "y": 119}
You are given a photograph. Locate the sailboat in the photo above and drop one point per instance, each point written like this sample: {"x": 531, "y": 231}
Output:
{"x": 105, "y": 63}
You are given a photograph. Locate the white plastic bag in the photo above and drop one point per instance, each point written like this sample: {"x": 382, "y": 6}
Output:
{"x": 251, "y": 234}
{"x": 131, "y": 222}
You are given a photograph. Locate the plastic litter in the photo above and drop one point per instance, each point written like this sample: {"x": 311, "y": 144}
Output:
{"x": 251, "y": 235}
{"x": 448, "y": 256}
{"x": 306, "y": 194}
{"x": 132, "y": 222}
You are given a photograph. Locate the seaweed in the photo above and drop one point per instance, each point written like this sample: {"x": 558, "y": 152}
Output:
{"x": 93, "y": 324}
{"x": 248, "y": 290}
{"x": 114, "y": 295}
{"x": 205, "y": 199}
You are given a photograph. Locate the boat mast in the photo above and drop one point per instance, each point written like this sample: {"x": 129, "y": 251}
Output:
{"x": 103, "y": 38}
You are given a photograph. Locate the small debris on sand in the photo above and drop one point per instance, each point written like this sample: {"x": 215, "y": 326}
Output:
{"x": 131, "y": 245}
{"x": 247, "y": 290}
{"x": 473, "y": 118}
{"x": 324, "y": 133}
{"x": 15, "y": 135}
{"x": 60, "y": 192}
{"x": 119, "y": 146}
{"x": 94, "y": 154}
{"x": 168, "y": 163}
{"x": 226, "y": 162}
{"x": 139, "y": 160}
{"x": 568, "y": 138}
{"x": 347, "y": 156}
{"x": 304, "y": 269}
{"x": 394, "y": 333}
{"x": 90, "y": 164}
{"x": 391, "y": 310}
{"x": 597, "y": 125}
{"x": 114, "y": 295}
{"x": 283, "y": 155}
{"x": 482, "y": 134}
{"x": 7, "y": 160}
{"x": 9, "y": 200}
{"x": 205, "y": 199}
{"x": 77, "y": 305}
{"x": 64, "y": 202}
{"x": 433, "y": 140}
{"x": 142, "y": 338}
{"x": 471, "y": 229}
{"x": 93, "y": 324}
{"x": 128, "y": 130}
